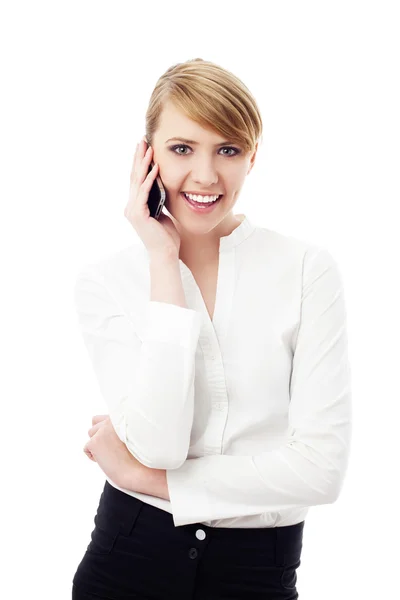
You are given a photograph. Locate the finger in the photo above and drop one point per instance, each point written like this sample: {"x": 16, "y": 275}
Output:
{"x": 98, "y": 418}
{"x": 95, "y": 428}
{"x": 144, "y": 189}
{"x": 88, "y": 452}
{"x": 148, "y": 181}
{"x": 139, "y": 194}
{"x": 141, "y": 150}
{"x": 135, "y": 160}
{"x": 141, "y": 166}
{"x": 89, "y": 455}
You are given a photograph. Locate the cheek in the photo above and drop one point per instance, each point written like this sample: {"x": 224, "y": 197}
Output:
{"x": 172, "y": 185}
{"x": 231, "y": 178}
{"x": 170, "y": 177}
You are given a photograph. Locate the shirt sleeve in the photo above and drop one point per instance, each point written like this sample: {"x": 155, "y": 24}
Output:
{"x": 309, "y": 468}
{"x": 147, "y": 382}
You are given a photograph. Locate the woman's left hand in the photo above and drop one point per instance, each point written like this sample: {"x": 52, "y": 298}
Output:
{"x": 111, "y": 454}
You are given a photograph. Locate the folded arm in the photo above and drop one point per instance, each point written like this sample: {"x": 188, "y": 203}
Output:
{"x": 309, "y": 468}
{"x": 147, "y": 383}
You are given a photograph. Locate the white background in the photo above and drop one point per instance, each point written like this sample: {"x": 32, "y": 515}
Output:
{"x": 76, "y": 79}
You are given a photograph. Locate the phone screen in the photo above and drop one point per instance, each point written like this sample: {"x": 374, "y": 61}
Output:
{"x": 157, "y": 196}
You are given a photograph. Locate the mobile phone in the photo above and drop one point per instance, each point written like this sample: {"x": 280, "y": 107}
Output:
{"x": 157, "y": 196}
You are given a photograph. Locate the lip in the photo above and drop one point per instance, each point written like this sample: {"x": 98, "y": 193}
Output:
{"x": 201, "y": 193}
{"x": 198, "y": 209}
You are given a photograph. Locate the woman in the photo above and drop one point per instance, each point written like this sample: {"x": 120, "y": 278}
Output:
{"x": 220, "y": 348}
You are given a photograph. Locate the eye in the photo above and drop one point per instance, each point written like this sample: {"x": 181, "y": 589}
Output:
{"x": 236, "y": 150}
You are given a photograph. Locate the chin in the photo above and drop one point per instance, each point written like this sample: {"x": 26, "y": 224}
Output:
{"x": 197, "y": 224}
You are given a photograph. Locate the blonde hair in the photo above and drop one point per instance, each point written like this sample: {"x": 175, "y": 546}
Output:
{"x": 212, "y": 97}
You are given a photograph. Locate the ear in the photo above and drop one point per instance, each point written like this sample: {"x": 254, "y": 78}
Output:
{"x": 252, "y": 159}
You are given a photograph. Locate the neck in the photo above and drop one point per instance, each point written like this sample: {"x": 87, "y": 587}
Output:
{"x": 205, "y": 248}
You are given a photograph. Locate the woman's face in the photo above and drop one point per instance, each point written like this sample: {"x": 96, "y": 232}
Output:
{"x": 208, "y": 166}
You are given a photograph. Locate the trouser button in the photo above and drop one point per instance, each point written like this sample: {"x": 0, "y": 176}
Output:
{"x": 193, "y": 552}
{"x": 200, "y": 534}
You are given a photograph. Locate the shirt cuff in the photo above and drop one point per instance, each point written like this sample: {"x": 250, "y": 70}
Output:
{"x": 187, "y": 493}
{"x": 213, "y": 487}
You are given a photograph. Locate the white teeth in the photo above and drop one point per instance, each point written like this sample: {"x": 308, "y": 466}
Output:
{"x": 201, "y": 198}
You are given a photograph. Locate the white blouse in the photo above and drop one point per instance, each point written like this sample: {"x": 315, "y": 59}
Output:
{"x": 250, "y": 412}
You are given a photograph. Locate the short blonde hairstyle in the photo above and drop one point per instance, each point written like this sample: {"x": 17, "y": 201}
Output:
{"x": 212, "y": 97}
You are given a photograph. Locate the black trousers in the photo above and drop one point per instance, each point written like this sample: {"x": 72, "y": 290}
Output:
{"x": 137, "y": 552}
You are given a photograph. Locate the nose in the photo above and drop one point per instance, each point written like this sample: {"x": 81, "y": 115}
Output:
{"x": 204, "y": 173}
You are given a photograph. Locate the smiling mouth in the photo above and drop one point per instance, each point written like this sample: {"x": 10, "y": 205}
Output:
{"x": 187, "y": 198}
{"x": 201, "y": 206}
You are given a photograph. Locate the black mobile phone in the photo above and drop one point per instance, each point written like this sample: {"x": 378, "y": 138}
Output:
{"x": 157, "y": 196}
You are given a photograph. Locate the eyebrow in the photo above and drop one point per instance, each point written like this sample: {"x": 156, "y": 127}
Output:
{"x": 180, "y": 139}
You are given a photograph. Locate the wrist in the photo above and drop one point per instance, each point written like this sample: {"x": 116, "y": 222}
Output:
{"x": 157, "y": 483}
{"x": 164, "y": 256}
{"x": 145, "y": 480}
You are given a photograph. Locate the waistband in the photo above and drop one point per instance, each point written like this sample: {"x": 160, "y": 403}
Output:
{"x": 286, "y": 540}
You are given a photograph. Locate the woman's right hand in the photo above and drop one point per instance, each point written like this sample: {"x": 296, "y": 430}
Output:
{"x": 160, "y": 237}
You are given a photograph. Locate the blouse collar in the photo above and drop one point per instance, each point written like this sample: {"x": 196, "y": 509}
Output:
{"x": 238, "y": 235}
